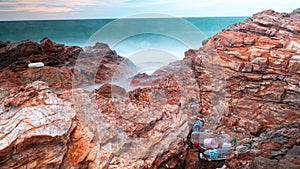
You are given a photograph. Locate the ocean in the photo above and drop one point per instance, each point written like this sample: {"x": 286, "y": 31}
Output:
{"x": 143, "y": 40}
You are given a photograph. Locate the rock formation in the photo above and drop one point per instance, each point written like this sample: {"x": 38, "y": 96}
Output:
{"x": 35, "y": 128}
{"x": 16, "y": 56}
{"x": 249, "y": 83}
{"x": 245, "y": 81}
{"x": 65, "y": 66}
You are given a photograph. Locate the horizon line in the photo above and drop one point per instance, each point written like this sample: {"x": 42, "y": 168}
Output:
{"x": 111, "y": 18}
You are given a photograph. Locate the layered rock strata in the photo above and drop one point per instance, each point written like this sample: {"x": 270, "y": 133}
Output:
{"x": 245, "y": 81}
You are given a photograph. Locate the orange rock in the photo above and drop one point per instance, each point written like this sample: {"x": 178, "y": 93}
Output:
{"x": 79, "y": 146}
{"x": 244, "y": 81}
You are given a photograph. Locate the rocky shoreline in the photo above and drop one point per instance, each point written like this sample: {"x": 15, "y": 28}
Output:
{"x": 244, "y": 81}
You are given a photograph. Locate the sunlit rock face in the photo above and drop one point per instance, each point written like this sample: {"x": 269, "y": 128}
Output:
{"x": 35, "y": 128}
{"x": 245, "y": 81}
{"x": 249, "y": 83}
{"x": 65, "y": 67}
{"x": 140, "y": 128}
{"x": 107, "y": 127}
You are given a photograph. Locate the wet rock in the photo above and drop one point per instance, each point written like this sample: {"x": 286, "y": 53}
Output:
{"x": 48, "y": 46}
{"x": 90, "y": 65}
{"x": 17, "y": 56}
{"x": 14, "y": 55}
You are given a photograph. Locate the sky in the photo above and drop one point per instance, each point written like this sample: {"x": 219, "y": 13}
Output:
{"x": 90, "y": 9}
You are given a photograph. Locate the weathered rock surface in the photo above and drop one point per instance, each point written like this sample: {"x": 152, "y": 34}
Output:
{"x": 249, "y": 83}
{"x": 245, "y": 81}
{"x": 58, "y": 78}
{"x": 65, "y": 66}
{"x": 40, "y": 130}
{"x": 16, "y": 56}
{"x": 35, "y": 128}
{"x": 142, "y": 128}
{"x": 99, "y": 64}
{"x": 276, "y": 147}
{"x": 116, "y": 128}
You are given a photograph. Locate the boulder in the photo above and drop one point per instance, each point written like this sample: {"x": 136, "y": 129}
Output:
{"x": 58, "y": 78}
{"x": 35, "y": 128}
{"x": 108, "y": 90}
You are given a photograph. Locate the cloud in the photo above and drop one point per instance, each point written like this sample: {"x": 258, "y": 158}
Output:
{"x": 60, "y": 6}
{"x": 120, "y": 8}
{"x": 137, "y": 3}
{"x": 45, "y": 9}
{"x": 47, "y": 6}
{"x": 50, "y": 2}
{"x": 99, "y": 3}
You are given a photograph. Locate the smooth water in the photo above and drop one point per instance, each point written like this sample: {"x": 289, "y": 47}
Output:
{"x": 77, "y": 32}
{"x": 69, "y": 32}
{"x": 158, "y": 41}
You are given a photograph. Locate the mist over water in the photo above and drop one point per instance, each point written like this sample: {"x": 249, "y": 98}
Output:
{"x": 151, "y": 51}
{"x": 149, "y": 43}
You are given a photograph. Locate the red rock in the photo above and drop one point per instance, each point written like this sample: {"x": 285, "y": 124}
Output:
{"x": 16, "y": 56}
{"x": 58, "y": 79}
{"x": 48, "y": 46}
{"x": 35, "y": 131}
{"x": 106, "y": 67}
{"x": 79, "y": 146}
{"x": 77, "y": 77}
{"x": 99, "y": 64}
{"x": 15, "y": 53}
{"x": 244, "y": 73}
{"x": 244, "y": 81}
{"x": 108, "y": 90}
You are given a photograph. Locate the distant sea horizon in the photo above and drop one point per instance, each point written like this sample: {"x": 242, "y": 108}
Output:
{"x": 143, "y": 40}
{"x": 114, "y": 18}
{"x": 18, "y": 30}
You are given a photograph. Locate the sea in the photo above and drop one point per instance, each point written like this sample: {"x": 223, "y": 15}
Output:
{"x": 149, "y": 42}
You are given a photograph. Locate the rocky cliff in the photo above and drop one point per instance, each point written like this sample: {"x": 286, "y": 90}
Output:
{"x": 249, "y": 81}
{"x": 245, "y": 81}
